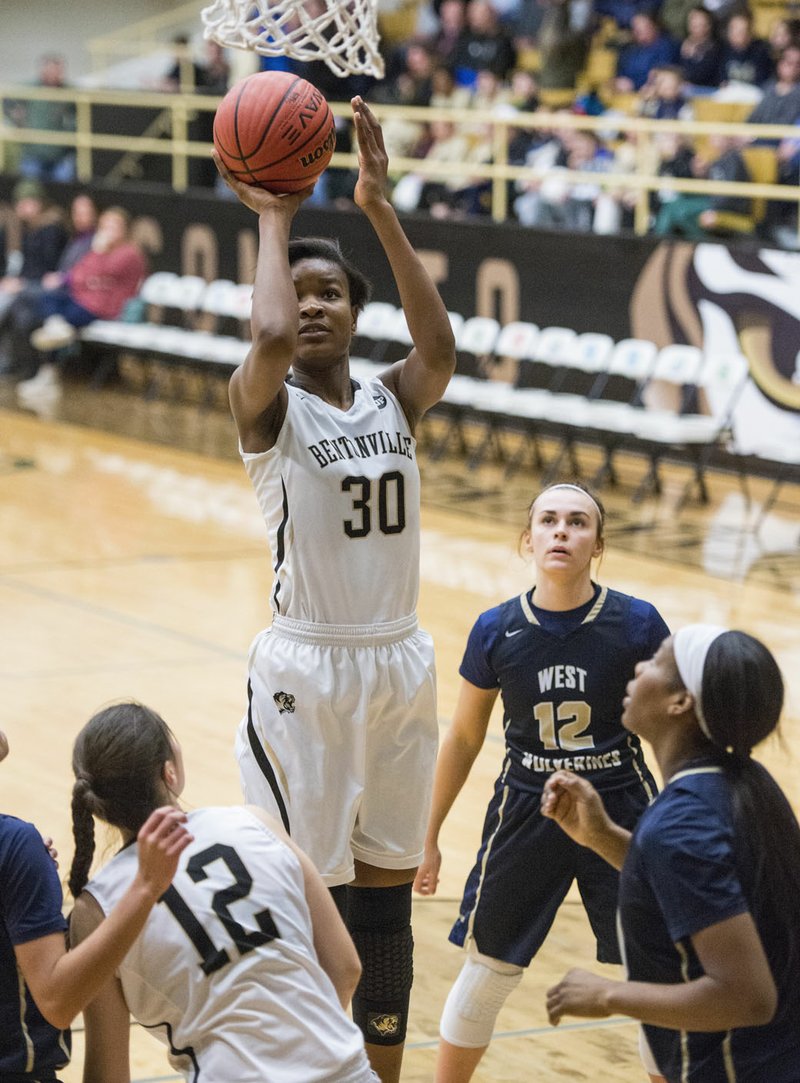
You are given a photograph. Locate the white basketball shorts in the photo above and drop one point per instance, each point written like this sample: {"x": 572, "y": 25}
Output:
{"x": 340, "y": 740}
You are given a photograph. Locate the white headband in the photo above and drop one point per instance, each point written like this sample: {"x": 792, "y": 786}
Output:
{"x": 690, "y": 646}
{"x": 578, "y": 489}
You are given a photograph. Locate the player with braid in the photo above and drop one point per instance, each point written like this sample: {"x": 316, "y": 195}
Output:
{"x": 245, "y": 968}
{"x": 341, "y": 732}
{"x": 42, "y": 985}
{"x": 709, "y": 895}
{"x": 560, "y": 656}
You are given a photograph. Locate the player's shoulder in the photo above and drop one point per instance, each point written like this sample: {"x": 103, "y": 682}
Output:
{"x": 15, "y": 833}
{"x": 690, "y": 802}
{"x": 502, "y": 621}
{"x": 637, "y": 612}
{"x": 380, "y": 393}
{"x": 223, "y": 819}
{"x": 502, "y": 614}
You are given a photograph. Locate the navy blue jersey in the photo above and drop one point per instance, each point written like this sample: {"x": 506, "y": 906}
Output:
{"x": 562, "y": 679}
{"x": 30, "y": 908}
{"x": 681, "y": 876}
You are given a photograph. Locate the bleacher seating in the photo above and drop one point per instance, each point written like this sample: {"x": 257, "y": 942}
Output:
{"x": 568, "y": 390}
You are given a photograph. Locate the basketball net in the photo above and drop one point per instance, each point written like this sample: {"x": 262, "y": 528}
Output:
{"x": 343, "y": 33}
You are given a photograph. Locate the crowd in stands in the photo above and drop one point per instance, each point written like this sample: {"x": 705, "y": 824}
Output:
{"x": 652, "y": 58}
{"x": 663, "y": 56}
{"x": 63, "y": 269}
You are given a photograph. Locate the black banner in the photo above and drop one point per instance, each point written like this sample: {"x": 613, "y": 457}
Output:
{"x": 708, "y": 296}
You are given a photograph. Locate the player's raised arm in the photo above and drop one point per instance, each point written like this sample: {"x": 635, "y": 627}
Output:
{"x": 62, "y": 984}
{"x": 256, "y": 388}
{"x": 420, "y": 381}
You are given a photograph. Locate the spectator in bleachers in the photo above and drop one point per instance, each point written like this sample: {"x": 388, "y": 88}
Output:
{"x": 525, "y": 87}
{"x": 563, "y": 42}
{"x": 465, "y": 196}
{"x": 701, "y": 51}
{"x": 210, "y": 76}
{"x": 649, "y": 48}
{"x": 623, "y": 11}
{"x": 445, "y": 143}
{"x": 492, "y": 94}
{"x": 556, "y": 201}
{"x": 452, "y": 24}
{"x": 615, "y": 207}
{"x": 21, "y": 314}
{"x": 412, "y": 83}
{"x": 524, "y": 99}
{"x": 744, "y": 58}
{"x": 781, "y": 101}
{"x": 42, "y": 238}
{"x": 779, "y": 225}
{"x": 783, "y": 33}
{"x": 83, "y": 215}
{"x": 675, "y": 159}
{"x": 216, "y": 70}
{"x": 662, "y": 97}
{"x": 674, "y": 16}
{"x": 484, "y": 45}
{"x": 97, "y": 287}
{"x": 445, "y": 91}
{"x": 548, "y": 152}
{"x": 38, "y": 160}
{"x": 699, "y": 216}
{"x": 528, "y": 24}
{"x": 184, "y": 72}
{"x": 189, "y": 75}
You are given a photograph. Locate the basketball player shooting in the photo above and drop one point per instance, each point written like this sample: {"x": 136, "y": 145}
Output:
{"x": 340, "y": 736}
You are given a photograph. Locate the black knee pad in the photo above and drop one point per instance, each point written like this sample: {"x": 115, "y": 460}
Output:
{"x": 379, "y": 920}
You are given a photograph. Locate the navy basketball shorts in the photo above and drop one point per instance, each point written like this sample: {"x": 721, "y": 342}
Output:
{"x": 523, "y": 871}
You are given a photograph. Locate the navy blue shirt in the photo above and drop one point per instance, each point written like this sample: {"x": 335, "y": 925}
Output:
{"x": 681, "y": 876}
{"x": 562, "y": 678}
{"x": 30, "y": 908}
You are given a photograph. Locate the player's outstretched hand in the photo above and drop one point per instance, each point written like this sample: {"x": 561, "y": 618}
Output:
{"x": 576, "y": 807}
{"x": 427, "y": 879}
{"x": 579, "y": 993}
{"x": 259, "y": 199}
{"x": 161, "y": 840}
{"x": 373, "y": 161}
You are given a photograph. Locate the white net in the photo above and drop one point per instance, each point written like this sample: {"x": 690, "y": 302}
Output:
{"x": 343, "y": 33}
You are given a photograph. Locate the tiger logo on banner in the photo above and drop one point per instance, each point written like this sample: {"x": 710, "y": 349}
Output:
{"x": 725, "y": 301}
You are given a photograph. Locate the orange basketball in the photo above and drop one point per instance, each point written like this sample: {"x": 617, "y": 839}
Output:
{"x": 275, "y": 130}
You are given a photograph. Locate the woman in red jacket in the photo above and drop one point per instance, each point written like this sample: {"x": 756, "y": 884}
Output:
{"x": 96, "y": 287}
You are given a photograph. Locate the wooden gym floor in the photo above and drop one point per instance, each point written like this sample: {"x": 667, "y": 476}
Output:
{"x": 133, "y": 563}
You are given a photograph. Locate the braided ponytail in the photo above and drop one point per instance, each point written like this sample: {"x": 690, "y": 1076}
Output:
{"x": 118, "y": 760}
{"x": 83, "y": 833}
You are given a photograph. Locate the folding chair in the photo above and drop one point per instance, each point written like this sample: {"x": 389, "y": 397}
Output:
{"x": 694, "y": 436}
{"x": 524, "y": 405}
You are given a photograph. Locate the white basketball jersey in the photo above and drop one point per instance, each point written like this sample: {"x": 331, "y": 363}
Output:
{"x": 339, "y": 492}
{"x": 225, "y": 972}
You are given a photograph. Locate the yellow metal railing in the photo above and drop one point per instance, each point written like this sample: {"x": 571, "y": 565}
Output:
{"x": 177, "y": 110}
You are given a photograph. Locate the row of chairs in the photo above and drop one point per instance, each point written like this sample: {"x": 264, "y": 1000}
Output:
{"x": 543, "y": 385}
{"x": 574, "y": 388}
{"x": 184, "y": 317}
